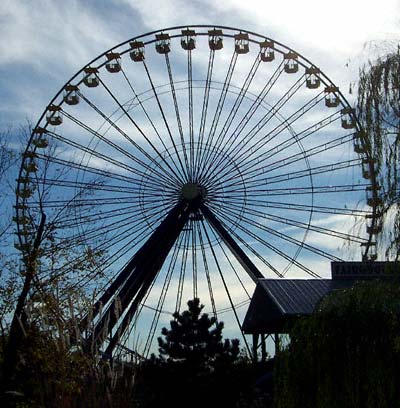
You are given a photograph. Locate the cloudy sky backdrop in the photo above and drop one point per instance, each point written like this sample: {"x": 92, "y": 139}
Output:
{"x": 44, "y": 42}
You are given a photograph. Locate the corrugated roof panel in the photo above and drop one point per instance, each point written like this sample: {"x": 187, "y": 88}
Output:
{"x": 296, "y": 296}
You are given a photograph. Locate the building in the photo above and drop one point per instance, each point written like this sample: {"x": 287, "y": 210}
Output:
{"x": 277, "y": 303}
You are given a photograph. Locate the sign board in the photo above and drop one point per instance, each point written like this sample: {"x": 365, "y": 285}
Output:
{"x": 363, "y": 270}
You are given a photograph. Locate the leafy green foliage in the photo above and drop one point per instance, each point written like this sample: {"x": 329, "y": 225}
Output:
{"x": 49, "y": 372}
{"x": 378, "y": 109}
{"x": 347, "y": 354}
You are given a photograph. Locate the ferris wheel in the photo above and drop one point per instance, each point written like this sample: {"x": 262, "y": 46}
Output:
{"x": 191, "y": 162}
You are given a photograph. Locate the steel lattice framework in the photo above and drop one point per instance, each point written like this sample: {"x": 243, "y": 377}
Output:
{"x": 189, "y": 162}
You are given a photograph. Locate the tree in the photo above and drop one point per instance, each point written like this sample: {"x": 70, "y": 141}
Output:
{"x": 347, "y": 354}
{"x": 196, "y": 367}
{"x": 196, "y": 339}
{"x": 40, "y": 288}
{"x": 378, "y": 106}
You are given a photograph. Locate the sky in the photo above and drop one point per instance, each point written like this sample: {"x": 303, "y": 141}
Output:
{"x": 44, "y": 42}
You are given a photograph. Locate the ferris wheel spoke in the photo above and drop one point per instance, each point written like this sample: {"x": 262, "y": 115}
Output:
{"x": 191, "y": 114}
{"x": 161, "y": 300}
{"x": 308, "y": 226}
{"x": 93, "y": 185}
{"x": 174, "y": 173}
{"x": 233, "y": 112}
{"x": 66, "y": 269}
{"x": 260, "y": 158}
{"x": 182, "y": 170}
{"x": 233, "y": 269}
{"x": 241, "y": 151}
{"x": 287, "y": 143}
{"x": 251, "y": 173}
{"x": 298, "y": 225}
{"x": 255, "y": 154}
{"x": 122, "y": 251}
{"x": 252, "y": 110}
{"x": 223, "y": 280}
{"x": 207, "y": 272}
{"x": 178, "y": 117}
{"x": 141, "y": 234}
{"x": 100, "y": 216}
{"x": 273, "y": 248}
{"x": 204, "y": 110}
{"x": 104, "y": 158}
{"x": 105, "y": 174}
{"x": 105, "y": 201}
{"x": 353, "y": 212}
{"x": 98, "y": 231}
{"x": 150, "y": 207}
{"x": 194, "y": 228}
{"x": 285, "y": 177}
{"x": 260, "y": 125}
{"x": 246, "y": 245}
{"x": 182, "y": 272}
{"x": 325, "y": 189}
{"x": 140, "y": 102}
{"x": 160, "y": 170}
{"x": 110, "y": 143}
{"x": 210, "y": 143}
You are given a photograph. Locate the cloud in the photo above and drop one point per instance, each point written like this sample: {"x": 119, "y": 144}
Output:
{"x": 45, "y": 42}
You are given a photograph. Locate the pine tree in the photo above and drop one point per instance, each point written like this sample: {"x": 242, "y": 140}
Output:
{"x": 196, "y": 339}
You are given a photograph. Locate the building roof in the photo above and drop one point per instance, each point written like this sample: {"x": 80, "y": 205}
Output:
{"x": 296, "y": 296}
{"x": 276, "y": 302}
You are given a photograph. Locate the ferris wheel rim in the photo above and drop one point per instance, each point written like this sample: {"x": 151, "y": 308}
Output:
{"x": 302, "y": 61}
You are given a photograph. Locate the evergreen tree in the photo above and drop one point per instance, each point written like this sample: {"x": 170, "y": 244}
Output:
{"x": 196, "y": 339}
{"x": 195, "y": 367}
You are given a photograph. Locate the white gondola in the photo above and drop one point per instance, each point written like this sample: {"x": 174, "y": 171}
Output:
{"x": 137, "y": 51}
{"x": 24, "y": 192}
{"x": 163, "y": 43}
{"x": 267, "y": 52}
{"x": 242, "y": 43}
{"x": 215, "y": 40}
{"x": 312, "y": 79}
{"x": 91, "y": 79}
{"x": 372, "y": 253}
{"x": 348, "y": 120}
{"x": 30, "y": 167}
{"x": 113, "y": 63}
{"x": 71, "y": 94}
{"x": 359, "y": 143}
{"x": 22, "y": 220}
{"x": 291, "y": 64}
{"x": 54, "y": 115}
{"x": 331, "y": 98}
{"x": 188, "y": 42}
{"x": 373, "y": 200}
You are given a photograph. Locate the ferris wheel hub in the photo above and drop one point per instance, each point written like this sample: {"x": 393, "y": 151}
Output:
{"x": 192, "y": 191}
